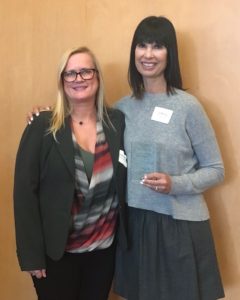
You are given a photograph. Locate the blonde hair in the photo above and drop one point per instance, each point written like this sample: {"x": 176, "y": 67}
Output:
{"x": 62, "y": 108}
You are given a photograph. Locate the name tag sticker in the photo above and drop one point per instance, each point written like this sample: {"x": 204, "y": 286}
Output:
{"x": 162, "y": 115}
{"x": 122, "y": 158}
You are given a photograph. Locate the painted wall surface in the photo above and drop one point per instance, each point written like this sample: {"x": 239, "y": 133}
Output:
{"x": 34, "y": 34}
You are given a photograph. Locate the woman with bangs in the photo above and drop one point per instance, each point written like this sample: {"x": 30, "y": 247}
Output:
{"x": 173, "y": 157}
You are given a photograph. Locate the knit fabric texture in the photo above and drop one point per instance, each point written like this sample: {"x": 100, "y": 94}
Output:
{"x": 184, "y": 147}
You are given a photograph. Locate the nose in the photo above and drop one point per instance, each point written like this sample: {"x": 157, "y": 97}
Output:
{"x": 148, "y": 52}
{"x": 79, "y": 77}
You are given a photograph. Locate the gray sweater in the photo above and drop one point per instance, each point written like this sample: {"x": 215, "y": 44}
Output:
{"x": 183, "y": 145}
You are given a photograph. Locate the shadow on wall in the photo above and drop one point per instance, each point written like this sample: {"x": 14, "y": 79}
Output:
{"x": 220, "y": 221}
{"x": 187, "y": 58}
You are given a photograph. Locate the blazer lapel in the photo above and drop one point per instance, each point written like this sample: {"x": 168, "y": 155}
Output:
{"x": 113, "y": 141}
{"x": 65, "y": 146}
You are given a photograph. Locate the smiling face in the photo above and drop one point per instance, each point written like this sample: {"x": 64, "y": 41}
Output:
{"x": 81, "y": 90}
{"x": 150, "y": 60}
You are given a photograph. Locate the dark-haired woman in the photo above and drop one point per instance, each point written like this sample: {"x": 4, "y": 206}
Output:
{"x": 173, "y": 157}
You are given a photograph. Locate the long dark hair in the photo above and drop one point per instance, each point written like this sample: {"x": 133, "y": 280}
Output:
{"x": 161, "y": 31}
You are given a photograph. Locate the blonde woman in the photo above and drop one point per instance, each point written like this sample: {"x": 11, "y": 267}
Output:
{"x": 69, "y": 186}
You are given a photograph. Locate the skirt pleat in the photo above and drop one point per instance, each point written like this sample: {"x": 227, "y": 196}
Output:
{"x": 167, "y": 259}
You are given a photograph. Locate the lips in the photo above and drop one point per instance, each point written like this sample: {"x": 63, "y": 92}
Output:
{"x": 148, "y": 65}
{"x": 79, "y": 87}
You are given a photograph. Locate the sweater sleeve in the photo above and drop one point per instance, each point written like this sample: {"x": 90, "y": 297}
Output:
{"x": 29, "y": 236}
{"x": 209, "y": 170}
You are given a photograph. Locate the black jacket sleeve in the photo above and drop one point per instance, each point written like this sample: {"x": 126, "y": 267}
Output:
{"x": 29, "y": 235}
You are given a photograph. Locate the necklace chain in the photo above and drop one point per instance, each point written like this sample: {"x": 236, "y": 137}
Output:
{"x": 80, "y": 122}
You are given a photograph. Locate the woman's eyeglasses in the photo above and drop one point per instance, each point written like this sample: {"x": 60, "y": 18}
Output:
{"x": 85, "y": 74}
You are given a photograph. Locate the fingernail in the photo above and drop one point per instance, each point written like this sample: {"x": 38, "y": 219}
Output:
{"x": 37, "y": 114}
{"x": 31, "y": 118}
{"x": 29, "y": 123}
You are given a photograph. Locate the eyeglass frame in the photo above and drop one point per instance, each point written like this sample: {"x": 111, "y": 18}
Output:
{"x": 80, "y": 74}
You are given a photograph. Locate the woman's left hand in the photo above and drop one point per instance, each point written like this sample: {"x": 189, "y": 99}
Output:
{"x": 38, "y": 273}
{"x": 159, "y": 182}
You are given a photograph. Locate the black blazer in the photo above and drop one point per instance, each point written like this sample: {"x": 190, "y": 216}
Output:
{"x": 44, "y": 188}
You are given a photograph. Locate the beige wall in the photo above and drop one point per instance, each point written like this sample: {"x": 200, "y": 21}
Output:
{"x": 33, "y": 35}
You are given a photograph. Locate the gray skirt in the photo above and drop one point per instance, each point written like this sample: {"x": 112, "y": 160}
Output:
{"x": 167, "y": 259}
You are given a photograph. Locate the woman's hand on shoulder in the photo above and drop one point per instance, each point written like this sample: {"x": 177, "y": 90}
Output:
{"x": 159, "y": 182}
{"x": 38, "y": 273}
{"x": 35, "y": 112}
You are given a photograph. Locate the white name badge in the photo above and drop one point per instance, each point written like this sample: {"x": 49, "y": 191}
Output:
{"x": 162, "y": 115}
{"x": 122, "y": 158}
